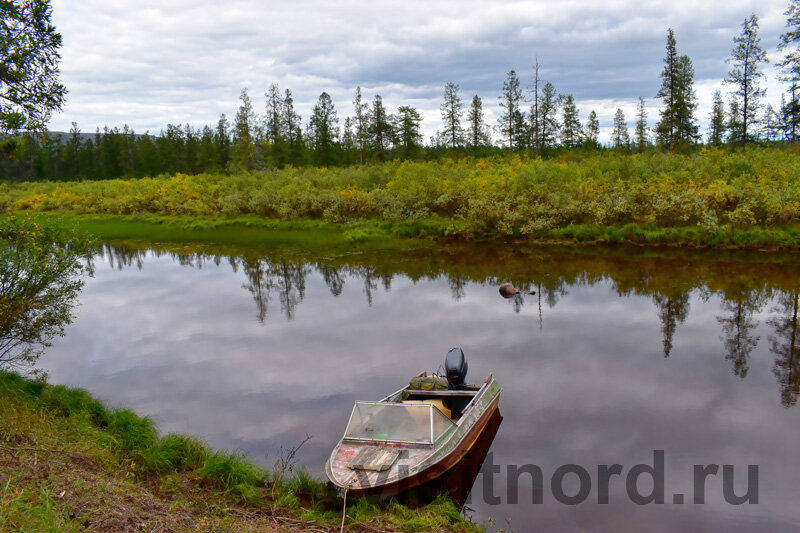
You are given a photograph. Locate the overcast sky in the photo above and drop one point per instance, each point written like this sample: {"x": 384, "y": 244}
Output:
{"x": 148, "y": 63}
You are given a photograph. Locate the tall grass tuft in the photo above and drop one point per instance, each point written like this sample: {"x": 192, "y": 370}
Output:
{"x": 132, "y": 434}
{"x": 64, "y": 401}
{"x": 228, "y": 470}
{"x": 173, "y": 454}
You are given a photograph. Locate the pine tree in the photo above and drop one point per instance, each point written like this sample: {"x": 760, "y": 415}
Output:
{"x": 619, "y": 136}
{"x": 641, "y": 125}
{"x": 571, "y": 133}
{"x": 716, "y": 120}
{"x": 512, "y": 120}
{"x": 476, "y": 132}
{"x": 746, "y": 57}
{"x": 452, "y": 110}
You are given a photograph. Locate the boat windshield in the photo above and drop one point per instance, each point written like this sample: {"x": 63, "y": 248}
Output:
{"x": 418, "y": 423}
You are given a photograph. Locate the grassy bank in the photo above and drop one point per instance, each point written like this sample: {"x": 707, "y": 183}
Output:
{"x": 323, "y": 237}
{"x": 711, "y": 197}
{"x": 68, "y": 463}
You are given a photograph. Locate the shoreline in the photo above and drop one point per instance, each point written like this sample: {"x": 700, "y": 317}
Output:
{"x": 319, "y": 234}
{"x": 69, "y": 463}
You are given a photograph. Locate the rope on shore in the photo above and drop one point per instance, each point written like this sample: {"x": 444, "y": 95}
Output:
{"x": 344, "y": 510}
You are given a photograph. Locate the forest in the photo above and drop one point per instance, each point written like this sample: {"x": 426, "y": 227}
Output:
{"x": 551, "y": 127}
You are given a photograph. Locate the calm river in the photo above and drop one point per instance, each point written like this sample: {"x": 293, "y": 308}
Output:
{"x": 622, "y": 357}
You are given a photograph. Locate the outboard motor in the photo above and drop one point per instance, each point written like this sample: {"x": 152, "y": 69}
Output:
{"x": 455, "y": 366}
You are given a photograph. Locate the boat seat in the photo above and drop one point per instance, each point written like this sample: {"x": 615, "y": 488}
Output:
{"x": 454, "y": 400}
{"x": 437, "y": 403}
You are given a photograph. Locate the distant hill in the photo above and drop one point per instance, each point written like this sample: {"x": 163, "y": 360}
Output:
{"x": 64, "y": 136}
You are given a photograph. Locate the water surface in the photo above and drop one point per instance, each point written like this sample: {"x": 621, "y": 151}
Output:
{"x": 617, "y": 355}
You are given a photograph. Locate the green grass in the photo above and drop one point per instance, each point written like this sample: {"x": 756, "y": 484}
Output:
{"x": 75, "y": 461}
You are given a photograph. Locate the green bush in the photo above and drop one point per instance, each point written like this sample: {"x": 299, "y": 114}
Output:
{"x": 505, "y": 195}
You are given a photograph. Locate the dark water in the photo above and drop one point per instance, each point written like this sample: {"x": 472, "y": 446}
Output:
{"x": 619, "y": 354}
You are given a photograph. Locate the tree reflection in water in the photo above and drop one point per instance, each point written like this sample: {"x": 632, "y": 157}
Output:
{"x": 745, "y": 285}
{"x": 785, "y": 344}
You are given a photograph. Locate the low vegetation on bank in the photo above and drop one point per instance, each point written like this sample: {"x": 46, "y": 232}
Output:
{"x": 68, "y": 463}
{"x": 710, "y": 197}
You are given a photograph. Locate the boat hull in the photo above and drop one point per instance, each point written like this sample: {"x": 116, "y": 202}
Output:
{"x": 442, "y": 469}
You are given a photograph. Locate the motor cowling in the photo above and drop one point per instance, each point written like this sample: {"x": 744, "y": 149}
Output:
{"x": 455, "y": 366}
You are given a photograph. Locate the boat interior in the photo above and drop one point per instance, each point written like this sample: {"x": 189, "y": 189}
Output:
{"x": 451, "y": 402}
{"x": 449, "y": 393}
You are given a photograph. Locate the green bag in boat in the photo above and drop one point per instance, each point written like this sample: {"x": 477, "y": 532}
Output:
{"x": 428, "y": 383}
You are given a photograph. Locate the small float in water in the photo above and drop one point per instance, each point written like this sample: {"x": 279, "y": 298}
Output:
{"x": 432, "y": 434}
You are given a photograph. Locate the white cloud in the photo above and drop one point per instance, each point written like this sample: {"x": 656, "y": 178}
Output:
{"x": 149, "y": 63}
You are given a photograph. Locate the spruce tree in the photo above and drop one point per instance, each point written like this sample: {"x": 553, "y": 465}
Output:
{"x": 790, "y": 114}
{"x": 641, "y": 125}
{"x": 790, "y": 71}
{"x": 476, "y": 132}
{"x": 291, "y": 129}
{"x": 361, "y": 124}
{"x": 771, "y": 124}
{"x": 452, "y": 110}
{"x": 745, "y": 74}
{"x": 716, "y": 121}
{"x": 409, "y": 138}
{"x": 619, "y": 136}
{"x": 669, "y": 93}
{"x": 592, "y": 128}
{"x": 571, "y": 133}
{"x": 290, "y": 121}
{"x": 274, "y": 112}
{"x": 323, "y": 129}
{"x": 686, "y": 130}
{"x": 222, "y": 140}
{"x": 512, "y": 120}
{"x": 380, "y": 128}
{"x": 734, "y": 122}
{"x": 30, "y": 89}
{"x": 243, "y": 132}
{"x": 548, "y": 117}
